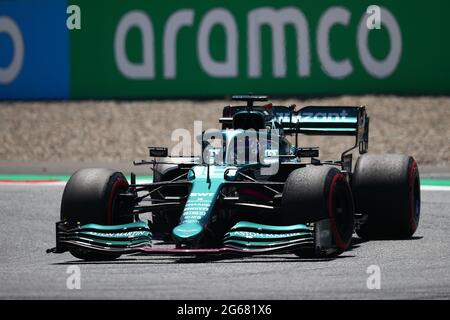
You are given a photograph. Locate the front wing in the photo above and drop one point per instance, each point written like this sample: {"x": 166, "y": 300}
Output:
{"x": 244, "y": 238}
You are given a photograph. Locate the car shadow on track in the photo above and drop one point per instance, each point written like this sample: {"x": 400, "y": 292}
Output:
{"x": 139, "y": 259}
{"x": 357, "y": 241}
{"x": 149, "y": 260}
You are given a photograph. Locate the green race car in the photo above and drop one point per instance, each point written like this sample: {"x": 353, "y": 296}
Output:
{"x": 253, "y": 190}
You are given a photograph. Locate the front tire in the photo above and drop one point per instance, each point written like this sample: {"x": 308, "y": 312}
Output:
{"x": 316, "y": 193}
{"x": 90, "y": 196}
{"x": 387, "y": 189}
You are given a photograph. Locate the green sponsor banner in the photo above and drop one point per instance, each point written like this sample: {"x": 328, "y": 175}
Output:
{"x": 195, "y": 48}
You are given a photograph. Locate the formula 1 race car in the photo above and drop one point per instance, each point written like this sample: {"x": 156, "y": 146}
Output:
{"x": 253, "y": 190}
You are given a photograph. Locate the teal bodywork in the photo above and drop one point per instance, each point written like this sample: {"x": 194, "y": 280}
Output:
{"x": 207, "y": 181}
{"x": 125, "y": 234}
{"x": 116, "y": 236}
{"x": 200, "y": 202}
{"x": 245, "y": 235}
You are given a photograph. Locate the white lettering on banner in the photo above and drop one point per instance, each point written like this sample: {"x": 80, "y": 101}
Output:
{"x": 333, "y": 16}
{"x": 229, "y": 67}
{"x": 131, "y": 70}
{"x": 380, "y": 68}
{"x": 9, "y": 73}
{"x": 180, "y": 19}
{"x": 277, "y": 19}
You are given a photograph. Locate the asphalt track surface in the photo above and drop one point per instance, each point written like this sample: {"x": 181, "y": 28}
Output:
{"x": 410, "y": 269}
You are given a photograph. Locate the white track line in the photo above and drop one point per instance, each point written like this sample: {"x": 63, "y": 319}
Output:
{"x": 435, "y": 188}
{"x": 33, "y": 184}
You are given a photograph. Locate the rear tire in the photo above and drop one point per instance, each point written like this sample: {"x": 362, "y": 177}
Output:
{"x": 90, "y": 196}
{"x": 316, "y": 193}
{"x": 387, "y": 189}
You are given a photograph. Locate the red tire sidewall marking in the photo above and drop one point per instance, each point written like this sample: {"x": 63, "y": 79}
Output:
{"x": 341, "y": 244}
{"x": 412, "y": 203}
{"x": 109, "y": 210}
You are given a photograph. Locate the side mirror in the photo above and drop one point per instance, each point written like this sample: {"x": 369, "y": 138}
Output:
{"x": 158, "y": 152}
{"x": 230, "y": 174}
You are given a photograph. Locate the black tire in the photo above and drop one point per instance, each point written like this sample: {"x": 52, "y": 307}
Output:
{"x": 387, "y": 189}
{"x": 315, "y": 193}
{"x": 90, "y": 196}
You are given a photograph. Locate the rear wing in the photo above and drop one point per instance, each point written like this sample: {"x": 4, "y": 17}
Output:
{"x": 311, "y": 120}
{"x": 326, "y": 121}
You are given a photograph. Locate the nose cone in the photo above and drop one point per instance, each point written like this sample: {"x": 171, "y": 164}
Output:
{"x": 187, "y": 232}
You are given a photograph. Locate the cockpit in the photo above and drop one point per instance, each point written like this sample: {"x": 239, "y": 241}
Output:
{"x": 238, "y": 147}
